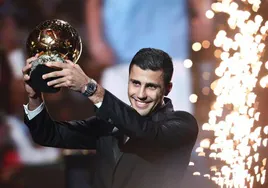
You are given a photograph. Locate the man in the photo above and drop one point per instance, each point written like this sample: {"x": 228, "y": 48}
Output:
{"x": 144, "y": 145}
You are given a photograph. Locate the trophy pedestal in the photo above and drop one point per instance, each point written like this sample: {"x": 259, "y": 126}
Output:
{"x": 38, "y": 83}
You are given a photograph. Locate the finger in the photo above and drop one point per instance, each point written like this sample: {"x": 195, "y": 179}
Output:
{"x": 26, "y": 68}
{"x": 63, "y": 84}
{"x": 53, "y": 74}
{"x": 56, "y": 81}
{"x": 29, "y": 60}
{"x": 60, "y": 85}
{"x": 26, "y": 77}
{"x": 56, "y": 64}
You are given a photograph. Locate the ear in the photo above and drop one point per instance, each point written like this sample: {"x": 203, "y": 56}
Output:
{"x": 168, "y": 88}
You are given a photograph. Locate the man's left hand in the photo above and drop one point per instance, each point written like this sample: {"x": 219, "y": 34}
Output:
{"x": 70, "y": 75}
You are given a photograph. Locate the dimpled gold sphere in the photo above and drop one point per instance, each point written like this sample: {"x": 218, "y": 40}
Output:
{"x": 55, "y": 37}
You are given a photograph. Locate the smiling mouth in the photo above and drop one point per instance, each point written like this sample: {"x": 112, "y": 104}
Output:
{"x": 141, "y": 104}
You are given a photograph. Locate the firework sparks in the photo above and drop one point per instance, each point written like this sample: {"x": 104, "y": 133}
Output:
{"x": 233, "y": 116}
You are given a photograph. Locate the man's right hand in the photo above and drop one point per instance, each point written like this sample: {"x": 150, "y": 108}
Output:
{"x": 35, "y": 97}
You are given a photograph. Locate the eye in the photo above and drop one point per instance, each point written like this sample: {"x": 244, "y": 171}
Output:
{"x": 152, "y": 87}
{"x": 135, "y": 83}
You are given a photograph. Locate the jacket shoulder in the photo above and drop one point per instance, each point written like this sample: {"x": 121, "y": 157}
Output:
{"x": 187, "y": 118}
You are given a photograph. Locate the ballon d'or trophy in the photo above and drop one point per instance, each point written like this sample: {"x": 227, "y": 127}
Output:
{"x": 52, "y": 40}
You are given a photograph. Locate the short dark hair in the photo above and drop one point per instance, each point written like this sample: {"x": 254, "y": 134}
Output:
{"x": 154, "y": 59}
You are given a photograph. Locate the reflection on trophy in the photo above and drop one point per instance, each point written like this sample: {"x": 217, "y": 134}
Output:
{"x": 52, "y": 40}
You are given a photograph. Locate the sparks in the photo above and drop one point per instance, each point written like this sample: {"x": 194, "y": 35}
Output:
{"x": 233, "y": 117}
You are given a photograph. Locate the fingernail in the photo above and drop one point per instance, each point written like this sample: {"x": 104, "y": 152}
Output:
{"x": 44, "y": 77}
{"x": 48, "y": 83}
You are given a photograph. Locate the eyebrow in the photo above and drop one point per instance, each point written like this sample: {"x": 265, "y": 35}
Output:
{"x": 147, "y": 84}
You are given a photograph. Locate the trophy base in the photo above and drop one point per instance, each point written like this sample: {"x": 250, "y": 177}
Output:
{"x": 38, "y": 83}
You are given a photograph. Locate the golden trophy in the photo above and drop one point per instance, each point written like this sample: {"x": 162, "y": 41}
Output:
{"x": 52, "y": 40}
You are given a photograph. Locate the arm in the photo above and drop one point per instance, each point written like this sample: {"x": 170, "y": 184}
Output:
{"x": 180, "y": 125}
{"x": 72, "y": 135}
{"x": 178, "y": 128}
{"x": 100, "y": 50}
{"x": 47, "y": 132}
{"x": 93, "y": 20}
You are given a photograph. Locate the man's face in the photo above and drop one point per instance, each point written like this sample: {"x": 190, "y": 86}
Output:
{"x": 145, "y": 89}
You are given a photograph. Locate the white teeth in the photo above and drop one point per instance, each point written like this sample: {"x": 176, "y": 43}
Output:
{"x": 141, "y": 104}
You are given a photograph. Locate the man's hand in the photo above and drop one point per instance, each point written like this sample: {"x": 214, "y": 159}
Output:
{"x": 30, "y": 91}
{"x": 70, "y": 75}
{"x": 35, "y": 97}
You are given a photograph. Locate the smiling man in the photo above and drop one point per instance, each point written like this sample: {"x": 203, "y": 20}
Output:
{"x": 145, "y": 89}
{"x": 145, "y": 145}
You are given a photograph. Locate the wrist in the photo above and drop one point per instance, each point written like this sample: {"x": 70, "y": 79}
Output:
{"x": 98, "y": 95}
{"x": 34, "y": 102}
{"x": 89, "y": 88}
{"x": 82, "y": 90}
{"x": 35, "y": 96}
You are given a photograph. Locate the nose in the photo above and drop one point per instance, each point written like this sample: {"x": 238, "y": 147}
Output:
{"x": 142, "y": 93}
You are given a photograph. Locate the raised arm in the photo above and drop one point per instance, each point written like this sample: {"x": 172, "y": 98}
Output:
{"x": 178, "y": 126}
{"x": 62, "y": 134}
{"x": 46, "y": 132}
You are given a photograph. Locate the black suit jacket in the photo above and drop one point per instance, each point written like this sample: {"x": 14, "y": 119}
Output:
{"x": 155, "y": 156}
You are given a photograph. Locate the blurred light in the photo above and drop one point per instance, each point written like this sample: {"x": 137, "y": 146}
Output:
{"x": 216, "y": 7}
{"x": 206, "y": 75}
{"x": 201, "y": 154}
{"x": 205, "y": 143}
{"x": 188, "y": 63}
{"x": 191, "y": 163}
{"x": 196, "y": 46}
{"x": 266, "y": 65}
{"x": 193, "y": 98}
{"x": 205, "y": 44}
{"x": 217, "y": 53}
{"x": 199, "y": 149}
{"x": 210, "y": 14}
{"x": 265, "y": 130}
{"x": 206, "y": 90}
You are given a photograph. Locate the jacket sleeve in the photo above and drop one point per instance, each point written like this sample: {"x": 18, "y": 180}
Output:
{"x": 66, "y": 134}
{"x": 178, "y": 127}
